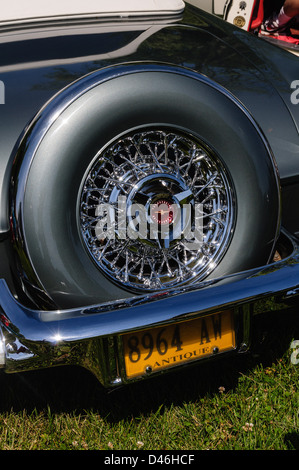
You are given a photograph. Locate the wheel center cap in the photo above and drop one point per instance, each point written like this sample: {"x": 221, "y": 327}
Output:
{"x": 162, "y": 212}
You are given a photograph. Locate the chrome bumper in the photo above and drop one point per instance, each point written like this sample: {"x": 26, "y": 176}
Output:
{"x": 91, "y": 336}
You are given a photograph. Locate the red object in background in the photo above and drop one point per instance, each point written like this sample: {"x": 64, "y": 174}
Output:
{"x": 257, "y": 19}
{"x": 258, "y": 16}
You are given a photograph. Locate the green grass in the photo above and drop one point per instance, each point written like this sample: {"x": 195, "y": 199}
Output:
{"x": 246, "y": 403}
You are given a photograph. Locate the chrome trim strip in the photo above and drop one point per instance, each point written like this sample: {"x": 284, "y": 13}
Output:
{"x": 83, "y": 336}
{"x": 49, "y": 113}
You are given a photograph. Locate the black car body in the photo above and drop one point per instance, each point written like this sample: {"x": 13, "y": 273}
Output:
{"x": 98, "y": 96}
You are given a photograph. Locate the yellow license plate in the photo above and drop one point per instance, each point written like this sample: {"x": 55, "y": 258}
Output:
{"x": 170, "y": 345}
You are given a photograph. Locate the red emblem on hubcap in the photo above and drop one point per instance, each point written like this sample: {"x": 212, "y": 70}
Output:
{"x": 161, "y": 212}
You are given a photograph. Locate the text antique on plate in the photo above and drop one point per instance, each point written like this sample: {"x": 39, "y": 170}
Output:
{"x": 163, "y": 347}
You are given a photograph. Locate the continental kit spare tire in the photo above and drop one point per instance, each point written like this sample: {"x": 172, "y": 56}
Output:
{"x": 155, "y": 138}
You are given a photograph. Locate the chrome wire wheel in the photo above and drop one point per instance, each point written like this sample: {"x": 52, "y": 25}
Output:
{"x": 156, "y": 210}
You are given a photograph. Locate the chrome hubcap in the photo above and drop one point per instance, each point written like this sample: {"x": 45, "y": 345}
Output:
{"x": 156, "y": 210}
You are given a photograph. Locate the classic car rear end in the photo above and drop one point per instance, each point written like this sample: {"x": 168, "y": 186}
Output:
{"x": 148, "y": 157}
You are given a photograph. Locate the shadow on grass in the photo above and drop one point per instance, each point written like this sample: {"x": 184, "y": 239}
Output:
{"x": 291, "y": 440}
{"x": 75, "y": 390}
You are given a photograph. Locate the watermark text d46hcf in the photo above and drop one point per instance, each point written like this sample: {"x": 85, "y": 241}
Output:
{"x": 295, "y": 93}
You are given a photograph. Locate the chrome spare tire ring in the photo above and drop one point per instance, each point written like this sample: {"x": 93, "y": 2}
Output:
{"x": 157, "y": 209}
